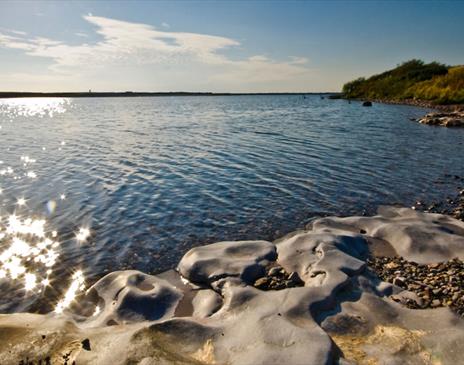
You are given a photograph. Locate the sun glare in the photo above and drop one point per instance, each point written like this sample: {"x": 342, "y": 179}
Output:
{"x": 36, "y": 107}
{"x": 83, "y": 234}
{"x": 76, "y": 286}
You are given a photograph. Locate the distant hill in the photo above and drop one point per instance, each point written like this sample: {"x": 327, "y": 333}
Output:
{"x": 431, "y": 82}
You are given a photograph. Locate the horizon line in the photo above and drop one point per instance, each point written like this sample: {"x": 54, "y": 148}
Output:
{"x": 30, "y": 94}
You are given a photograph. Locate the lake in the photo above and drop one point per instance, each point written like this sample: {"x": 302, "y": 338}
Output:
{"x": 93, "y": 185}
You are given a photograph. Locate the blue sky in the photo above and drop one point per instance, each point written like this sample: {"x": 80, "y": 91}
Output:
{"x": 240, "y": 46}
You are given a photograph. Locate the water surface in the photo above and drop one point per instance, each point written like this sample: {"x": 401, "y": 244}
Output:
{"x": 115, "y": 183}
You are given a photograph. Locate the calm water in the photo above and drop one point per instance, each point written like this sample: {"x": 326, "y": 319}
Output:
{"x": 115, "y": 183}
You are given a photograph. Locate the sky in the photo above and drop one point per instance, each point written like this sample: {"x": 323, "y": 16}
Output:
{"x": 218, "y": 46}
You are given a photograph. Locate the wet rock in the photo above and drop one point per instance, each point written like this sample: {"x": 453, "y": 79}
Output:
{"x": 445, "y": 119}
{"x": 367, "y": 103}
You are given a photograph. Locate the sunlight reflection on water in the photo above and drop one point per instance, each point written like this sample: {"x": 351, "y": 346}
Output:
{"x": 28, "y": 251}
{"x": 33, "y": 107}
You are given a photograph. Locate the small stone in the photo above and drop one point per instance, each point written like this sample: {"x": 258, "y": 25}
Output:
{"x": 294, "y": 277}
{"x": 435, "y": 303}
{"x": 275, "y": 271}
{"x": 392, "y": 265}
{"x": 399, "y": 281}
{"x": 262, "y": 283}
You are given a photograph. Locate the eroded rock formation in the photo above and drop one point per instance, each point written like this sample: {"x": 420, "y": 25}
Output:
{"x": 211, "y": 311}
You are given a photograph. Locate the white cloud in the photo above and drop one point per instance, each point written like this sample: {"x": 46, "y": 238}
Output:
{"x": 126, "y": 44}
{"x": 165, "y": 25}
{"x": 299, "y": 60}
{"x": 81, "y": 34}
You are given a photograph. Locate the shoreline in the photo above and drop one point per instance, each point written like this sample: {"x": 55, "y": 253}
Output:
{"x": 418, "y": 103}
{"x": 443, "y": 115}
{"x": 321, "y": 303}
{"x": 312, "y": 296}
{"x": 10, "y": 95}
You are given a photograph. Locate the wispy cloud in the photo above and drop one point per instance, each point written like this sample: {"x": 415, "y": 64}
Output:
{"x": 126, "y": 43}
{"x": 165, "y": 25}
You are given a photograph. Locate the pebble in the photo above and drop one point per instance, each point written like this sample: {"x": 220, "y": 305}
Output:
{"x": 276, "y": 278}
{"x": 274, "y": 271}
{"x": 436, "y": 285}
{"x": 435, "y": 303}
{"x": 399, "y": 281}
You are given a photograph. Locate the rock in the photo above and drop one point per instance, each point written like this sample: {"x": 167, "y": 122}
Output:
{"x": 392, "y": 265}
{"x": 205, "y": 303}
{"x": 244, "y": 259}
{"x": 275, "y": 271}
{"x": 295, "y": 278}
{"x": 367, "y": 103}
{"x": 262, "y": 283}
{"x": 435, "y": 303}
{"x": 425, "y": 239}
{"x": 342, "y": 315}
{"x": 445, "y": 119}
{"x": 399, "y": 281}
{"x": 129, "y": 296}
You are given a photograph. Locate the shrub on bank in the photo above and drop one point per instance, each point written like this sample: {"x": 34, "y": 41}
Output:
{"x": 412, "y": 80}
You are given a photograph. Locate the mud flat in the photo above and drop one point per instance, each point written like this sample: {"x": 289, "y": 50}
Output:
{"x": 308, "y": 298}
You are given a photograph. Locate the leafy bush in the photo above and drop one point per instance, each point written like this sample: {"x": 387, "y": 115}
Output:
{"x": 412, "y": 80}
{"x": 447, "y": 89}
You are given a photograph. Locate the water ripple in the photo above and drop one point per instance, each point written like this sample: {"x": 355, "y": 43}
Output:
{"x": 134, "y": 183}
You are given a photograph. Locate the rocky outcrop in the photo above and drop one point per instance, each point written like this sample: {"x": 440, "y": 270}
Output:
{"x": 444, "y": 119}
{"x": 326, "y": 304}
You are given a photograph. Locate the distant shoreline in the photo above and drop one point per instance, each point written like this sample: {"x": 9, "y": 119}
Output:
{"x": 9, "y": 95}
{"x": 418, "y": 103}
